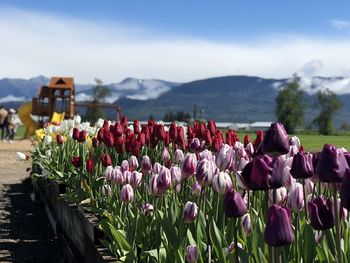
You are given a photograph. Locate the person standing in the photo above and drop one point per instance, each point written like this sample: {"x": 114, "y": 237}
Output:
{"x": 3, "y": 123}
{"x": 11, "y": 124}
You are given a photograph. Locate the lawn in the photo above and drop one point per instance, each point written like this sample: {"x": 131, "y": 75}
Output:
{"x": 315, "y": 142}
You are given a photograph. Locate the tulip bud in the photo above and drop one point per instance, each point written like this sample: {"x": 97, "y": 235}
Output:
{"x": 108, "y": 173}
{"x": 76, "y": 161}
{"x": 165, "y": 154}
{"x": 222, "y": 182}
{"x": 106, "y": 160}
{"x": 157, "y": 167}
{"x": 59, "y": 139}
{"x": 234, "y": 205}
{"x": 231, "y": 248}
{"x": 302, "y": 165}
{"x": 118, "y": 177}
{"x": 206, "y": 154}
{"x": 146, "y": 164}
{"x": 189, "y": 165}
{"x": 192, "y": 254}
{"x": 124, "y": 166}
{"x": 332, "y": 165}
{"x": 295, "y": 198}
{"x": 176, "y": 175}
{"x": 82, "y": 136}
{"x": 153, "y": 185}
{"x": 47, "y": 139}
{"x": 195, "y": 145}
{"x": 147, "y": 208}
{"x": 135, "y": 179}
{"x": 309, "y": 186}
{"x": 75, "y": 134}
{"x": 245, "y": 223}
{"x": 133, "y": 163}
{"x": 278, "y": 231}
{"x": 190, "y": 212}
{"x": 196, "y": 188}
{"x": 127, "y": 193}
{"x": 276, "y": 140}
{"x": 224, "y": 157}
{"x": 179, "y": 156}
{"x": 345, "y": 192}
{"x": 164, "y": 179}
{"x": 205, "y": 172}
{"x": 90, "y": 166}
{"x": 321, "y": 213}
{"x": 106, "y": 190}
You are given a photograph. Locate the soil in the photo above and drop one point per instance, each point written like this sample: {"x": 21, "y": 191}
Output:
{"x": 25, "y": 232}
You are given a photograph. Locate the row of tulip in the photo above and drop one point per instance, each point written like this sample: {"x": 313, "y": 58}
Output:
{"x": 195, "y": 194}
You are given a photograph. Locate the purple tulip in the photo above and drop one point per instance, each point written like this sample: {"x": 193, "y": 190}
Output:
{"x": 234, "y": 205}
{"x": 108, "y": 173}
{"x": 135, "y": 179}
{"x": 245, "y": 223}
{"x": 276, "y": 140}
{"x": 165, "y": 154}
{"x": 179, "y": 156}
{"x": 224, "y": 157}
{"x": 321, "y": 213}
{"x": 189, "y": 165}
{"x": 192, "y": 254}
{"x": 157, "y": 167}
{"x": 206, "y": 154}
{"x": 222, "y": 182}
{"x": 190, "y": 212}
{"x": 118, "y": 177}
{"x": 176, "y": 175}
{"x": 147, "y": 208}
{"x": 295, "y": 199}
{"x": 146, "y": 164}
{"x": 133, "y": 163}
{"x": 164, "y": 179}
{"x": 196, "y": 188}
{"x": 195, "y": 145}
{"x": 127, "y": 193}
{"x": 265, "y": 172}
{"x": 205, "y": 172}
{"x": 153, "y": 185}
{"x": 345, "y": 191}
{"x": 302, "y": 166}
{"x": 278, "y": 231}
{"x": 332, "y": 165}
{"x": 124, "y": 166}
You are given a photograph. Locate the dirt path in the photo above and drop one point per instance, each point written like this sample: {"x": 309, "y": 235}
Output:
{"x": 25, "y": 233}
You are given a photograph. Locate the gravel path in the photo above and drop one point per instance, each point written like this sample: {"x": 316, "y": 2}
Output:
{"x": 25, "y": 232}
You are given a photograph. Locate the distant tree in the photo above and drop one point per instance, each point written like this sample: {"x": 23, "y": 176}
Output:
{"x": 178, "y": 116}
{"x": 328, "y": 104}
{"x": 99, "y": 94}
{"x": 290, "y": 105}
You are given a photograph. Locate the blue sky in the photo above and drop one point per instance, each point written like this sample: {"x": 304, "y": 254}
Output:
{"x": 174, "y": 40}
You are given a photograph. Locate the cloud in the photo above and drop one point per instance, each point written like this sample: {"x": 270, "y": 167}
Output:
{"x": 339, "y": 24}
{"x": 34, "y": 43}
{"x": 10, "y": 98}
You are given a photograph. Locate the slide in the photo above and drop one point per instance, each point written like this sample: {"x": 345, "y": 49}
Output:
{"x": 30, "y": 125}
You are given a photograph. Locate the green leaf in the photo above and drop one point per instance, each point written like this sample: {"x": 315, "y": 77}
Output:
{"x": 309, "y": 243}
{"x": 116, "y": 235}
{"x": 217, "y": 240}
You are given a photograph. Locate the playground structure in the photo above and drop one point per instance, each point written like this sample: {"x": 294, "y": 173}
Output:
{"x": 55, "y": 102}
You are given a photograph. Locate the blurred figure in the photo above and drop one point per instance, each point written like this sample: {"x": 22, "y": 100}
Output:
{"x": 3, "y": 120}
{"x": 11, "y": 124}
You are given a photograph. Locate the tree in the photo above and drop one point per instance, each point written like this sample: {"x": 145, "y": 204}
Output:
{"x": 290, "y": 106}
{"x": 178, "y": 116}
{"x": 99, "y": 94}
{"x": 329, "y": 104}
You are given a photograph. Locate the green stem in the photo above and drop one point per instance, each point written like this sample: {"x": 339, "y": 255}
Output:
{"x": 296, "y": 236}
{"x": 235, "y": 239}
{"x": 305, "y": 200}
{"x": 337, "y": 225}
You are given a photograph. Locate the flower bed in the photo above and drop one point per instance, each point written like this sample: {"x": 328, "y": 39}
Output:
{"x": 193, "y": 194}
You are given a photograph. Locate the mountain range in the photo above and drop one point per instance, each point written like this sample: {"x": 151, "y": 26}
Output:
{"x": 227, "y": 99}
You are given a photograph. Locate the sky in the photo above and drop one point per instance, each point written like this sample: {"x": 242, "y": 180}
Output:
{"x": 178, "y": 41}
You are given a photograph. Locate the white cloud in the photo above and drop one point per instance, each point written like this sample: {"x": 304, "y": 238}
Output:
{"x": 35, "y": 43}
{"x": 339, "y": 24}
{"x": 10, "y": 98}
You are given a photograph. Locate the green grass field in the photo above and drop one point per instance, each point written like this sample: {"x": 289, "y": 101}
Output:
{"x": 315, "y": 142}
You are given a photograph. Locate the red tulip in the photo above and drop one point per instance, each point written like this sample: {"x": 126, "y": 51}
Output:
{"x": 76, "y": 161}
